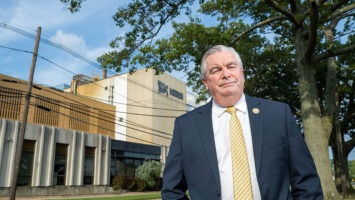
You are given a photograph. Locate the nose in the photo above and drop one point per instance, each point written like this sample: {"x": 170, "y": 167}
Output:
{"x": 226, "y": 73}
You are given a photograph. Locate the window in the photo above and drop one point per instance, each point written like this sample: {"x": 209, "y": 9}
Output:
{"x": 129, "y": 167}
{"x": 26, "y": 163}
{"x": 89, "y": 167}
{"x": 60, "y": 164}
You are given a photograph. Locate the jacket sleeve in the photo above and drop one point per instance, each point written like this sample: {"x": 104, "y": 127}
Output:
{"x": 174, "y": 184}
{"x": 304, "y": 181}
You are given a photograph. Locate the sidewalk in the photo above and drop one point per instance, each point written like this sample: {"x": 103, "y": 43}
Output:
{"x": 79, "y": 196}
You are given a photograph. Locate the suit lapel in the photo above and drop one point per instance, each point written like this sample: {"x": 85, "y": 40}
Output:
{"x": 204, "y": 123}
{"x": 256, "y": 123}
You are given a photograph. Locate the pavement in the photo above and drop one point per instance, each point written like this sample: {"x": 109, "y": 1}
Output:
{"x": 79, "y": 196}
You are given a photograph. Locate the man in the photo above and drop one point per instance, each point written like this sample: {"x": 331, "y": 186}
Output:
{"x": 278, "y": 162}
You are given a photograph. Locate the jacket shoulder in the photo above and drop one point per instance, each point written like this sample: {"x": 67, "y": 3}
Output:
{"x": 197, "y": 111}
{"x": 262, "y": 101}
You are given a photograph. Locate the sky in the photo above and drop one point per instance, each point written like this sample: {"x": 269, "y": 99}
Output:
{"x": 87, "y": 33}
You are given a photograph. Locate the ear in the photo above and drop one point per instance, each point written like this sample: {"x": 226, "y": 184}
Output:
{"x": 205, "y": 83}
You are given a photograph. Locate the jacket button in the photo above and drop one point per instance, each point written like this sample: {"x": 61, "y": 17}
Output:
{"x": 218, "y": 193}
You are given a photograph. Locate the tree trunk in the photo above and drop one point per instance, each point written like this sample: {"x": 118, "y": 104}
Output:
{"x": 317, "y": 129}
{"x": 338, "y": 170}
{"x": 342, "y": 159}
{"x": 317, "y": 137}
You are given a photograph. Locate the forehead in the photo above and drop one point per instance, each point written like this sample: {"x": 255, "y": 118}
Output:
{"x": 220, "y": 57}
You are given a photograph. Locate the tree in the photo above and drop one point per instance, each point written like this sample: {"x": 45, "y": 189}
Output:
{"x": 300, "y": 27}
{"x": 346, "y": 122}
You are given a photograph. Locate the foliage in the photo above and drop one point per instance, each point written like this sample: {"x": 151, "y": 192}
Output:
{"x": 138, "y": 185}
{"x": 72, "y": 5}
{"x": 147, "y": 178}
{"x": 149, "y": 172}
{"x": 121, "y": 182}
{"x": 351, "y": 165}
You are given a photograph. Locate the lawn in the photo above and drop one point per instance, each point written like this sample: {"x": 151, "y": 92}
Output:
{"x": 124, "y": 197}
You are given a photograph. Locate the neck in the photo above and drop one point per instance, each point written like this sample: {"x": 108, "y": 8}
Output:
{"x": 227, "y": 101}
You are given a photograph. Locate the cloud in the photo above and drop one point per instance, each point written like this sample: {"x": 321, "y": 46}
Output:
{"x": 87, "y": 33}
{"x": 73, "y": 65}
{"x": 27, "y": 15}
{"x": 75, "y": 42}
{"x": 79, "y": 45}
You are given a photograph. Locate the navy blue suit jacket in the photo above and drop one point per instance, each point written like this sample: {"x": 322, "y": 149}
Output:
{"x": 284, "y": 166}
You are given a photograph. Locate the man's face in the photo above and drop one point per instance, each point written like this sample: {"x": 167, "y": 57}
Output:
{"x": 224, "y": 77}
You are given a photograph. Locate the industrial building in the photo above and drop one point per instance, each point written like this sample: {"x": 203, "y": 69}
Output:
{"x": 70, "y": 146}
{"x": 146, "y": 104}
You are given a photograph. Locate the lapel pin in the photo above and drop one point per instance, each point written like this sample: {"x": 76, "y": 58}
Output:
{"x": 256, "y": 110}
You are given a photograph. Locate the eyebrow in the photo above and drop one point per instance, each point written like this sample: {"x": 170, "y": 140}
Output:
{"x": 232, "y": 63}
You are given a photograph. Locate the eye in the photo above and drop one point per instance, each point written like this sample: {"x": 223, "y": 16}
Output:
{"x": 215, "y": 70}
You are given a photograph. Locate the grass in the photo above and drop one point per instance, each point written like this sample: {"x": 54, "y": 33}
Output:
{"x": 124, "y": 197}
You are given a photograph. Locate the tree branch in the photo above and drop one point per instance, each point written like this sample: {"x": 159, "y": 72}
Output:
{"x": 312, "y": 33}
{"x": 336, "y": 52}
{"x": 260, "y": 24}
{"x": 349, "y": 112}
{"x": 283, "y": 11}
{"x": 337, "y": 5}
{"x": 293, "y": 5}
{"x": 341, "y": 11}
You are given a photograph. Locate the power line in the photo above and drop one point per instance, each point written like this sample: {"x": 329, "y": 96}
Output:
{"x": 95, "y": 82}
{"x": 55, "y": 64}
{"x": 14, "y": 49}
{"x": 41, "y": 107}
{"x": 101, "y": 110}
{"x": 83, "y": 121}
{"x": 48, "y": 42}
{"x": 116, "y": 102}
{"x": 165, "y": 116}
{"x": 75, "y": 54}
{"x": 80, "y": 111}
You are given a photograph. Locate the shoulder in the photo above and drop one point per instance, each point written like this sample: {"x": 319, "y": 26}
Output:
{"x": 267, "y": 105}
{"x": 204, "y": 109}
{"x": 263, "y": 101}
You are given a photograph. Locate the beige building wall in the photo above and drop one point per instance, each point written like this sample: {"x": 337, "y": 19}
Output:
{"x": 146, "y": 104}
{"x": 112, "y": 90}
{"x": 55, "y": 108}
{"x": 162, "y": 98}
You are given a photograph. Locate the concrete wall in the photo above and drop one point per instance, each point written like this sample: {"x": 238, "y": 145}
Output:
{"x": 43, "y": 161}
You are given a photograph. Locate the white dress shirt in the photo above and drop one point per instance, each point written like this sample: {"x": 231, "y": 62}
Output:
{"x": 220, "y": 121}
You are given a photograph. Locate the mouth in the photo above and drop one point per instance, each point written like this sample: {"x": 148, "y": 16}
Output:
{"x": 227, "y": 84}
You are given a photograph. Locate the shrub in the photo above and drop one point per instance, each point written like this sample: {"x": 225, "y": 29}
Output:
{"x": 149, "y": 172}
{"x": 159, "y": 184}
{"x": 138, "y": 185}
{"x": 121, "y": 182}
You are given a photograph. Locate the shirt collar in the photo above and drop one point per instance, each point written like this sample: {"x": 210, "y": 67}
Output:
{"x": 241, "y": 105}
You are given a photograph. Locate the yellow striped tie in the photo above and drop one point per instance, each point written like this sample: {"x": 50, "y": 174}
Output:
{"x": 240, "y": 165}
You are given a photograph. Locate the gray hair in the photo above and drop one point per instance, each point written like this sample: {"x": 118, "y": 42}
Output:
{"x": 214, "y": 49}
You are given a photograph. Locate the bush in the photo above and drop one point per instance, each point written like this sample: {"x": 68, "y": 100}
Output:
{"x": 159, "y": 184}
{"x": 138, "y": 185}
{"x": 121, "y": 182}
{"x": 149, "y": 172}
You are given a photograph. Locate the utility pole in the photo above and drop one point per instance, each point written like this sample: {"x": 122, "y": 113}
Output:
{"x": 21, "y": 136}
